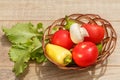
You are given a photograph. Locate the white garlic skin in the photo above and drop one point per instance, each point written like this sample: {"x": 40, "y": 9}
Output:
{"x": 77, "y": 33}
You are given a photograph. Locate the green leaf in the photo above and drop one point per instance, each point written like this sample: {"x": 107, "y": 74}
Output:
{"x": 19, "y": 66}
{"x": 38, "y": 55}
{"x": 40, "y": 30}
{"x": 37, "y": 52}
{"x": 20, "y": 54}
{"x": 20, "y": 33}
{"x": 69, "y": 23}
{"x": 39, "y": 26}
{"x": 36, "y": 44}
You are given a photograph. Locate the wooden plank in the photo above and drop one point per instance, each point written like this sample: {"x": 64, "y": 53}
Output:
{"x": 46, "y": 11}
{"x": 5, "y": 45}
{"x": 54, "y": 9}
{"x": 53, "y": 73}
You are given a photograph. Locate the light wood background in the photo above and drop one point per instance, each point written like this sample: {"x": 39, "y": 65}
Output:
{"x": 46, "y": 11}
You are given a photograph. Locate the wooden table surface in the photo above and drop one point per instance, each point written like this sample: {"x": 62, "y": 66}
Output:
{"x": 46, "y": 11}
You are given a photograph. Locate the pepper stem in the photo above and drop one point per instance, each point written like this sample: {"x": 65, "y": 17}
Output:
{"x": 67, "y": 59}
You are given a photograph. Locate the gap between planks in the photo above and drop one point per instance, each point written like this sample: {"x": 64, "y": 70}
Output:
{"x": 52, "y": 20}
{"x": 34, "y": 65}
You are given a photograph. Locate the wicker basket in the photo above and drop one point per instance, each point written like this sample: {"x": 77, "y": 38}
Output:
{"x": 109, "y": 41}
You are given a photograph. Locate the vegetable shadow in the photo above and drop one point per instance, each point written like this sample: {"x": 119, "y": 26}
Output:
{"x": 52, "y": 72}
{"x": 4, "y": 41}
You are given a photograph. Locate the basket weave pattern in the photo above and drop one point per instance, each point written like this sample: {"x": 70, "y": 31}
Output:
{"x": 109, "y": 41}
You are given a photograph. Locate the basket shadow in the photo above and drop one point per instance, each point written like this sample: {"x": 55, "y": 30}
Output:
{"x": 54, "y": 73}
{"x": 99, "y": 70}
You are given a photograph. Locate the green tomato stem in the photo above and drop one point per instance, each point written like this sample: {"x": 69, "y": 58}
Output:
{"x": 69, "y": 23}
{"x": 99, "y": 46}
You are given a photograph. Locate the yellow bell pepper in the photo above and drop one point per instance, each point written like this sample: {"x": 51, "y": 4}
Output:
{"x": 58, "y": 54}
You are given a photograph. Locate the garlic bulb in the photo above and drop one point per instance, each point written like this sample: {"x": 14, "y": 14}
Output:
{"x": 77, "y": 33}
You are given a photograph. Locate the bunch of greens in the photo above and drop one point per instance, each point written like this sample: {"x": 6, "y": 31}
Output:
{"x": 26, "y": 45}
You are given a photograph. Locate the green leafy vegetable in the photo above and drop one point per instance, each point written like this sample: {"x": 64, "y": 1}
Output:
{"x": 37, "y": 51}
{"x": 20, "y": 55}
{"x": 26, "y": 45}
{"x": 20, "y": 33}
{"x": 17, "y": 50}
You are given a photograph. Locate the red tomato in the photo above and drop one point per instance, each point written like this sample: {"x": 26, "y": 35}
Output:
{"x": 62, "y": 38}
{"x": 96, "y": 32}
{"x": 85, "y": 54}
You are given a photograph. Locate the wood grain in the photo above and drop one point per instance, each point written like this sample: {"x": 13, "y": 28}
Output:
{"x": 46, "y": 11}
{"x": 53, "y": 9}
{"x": 53, "y": 73}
